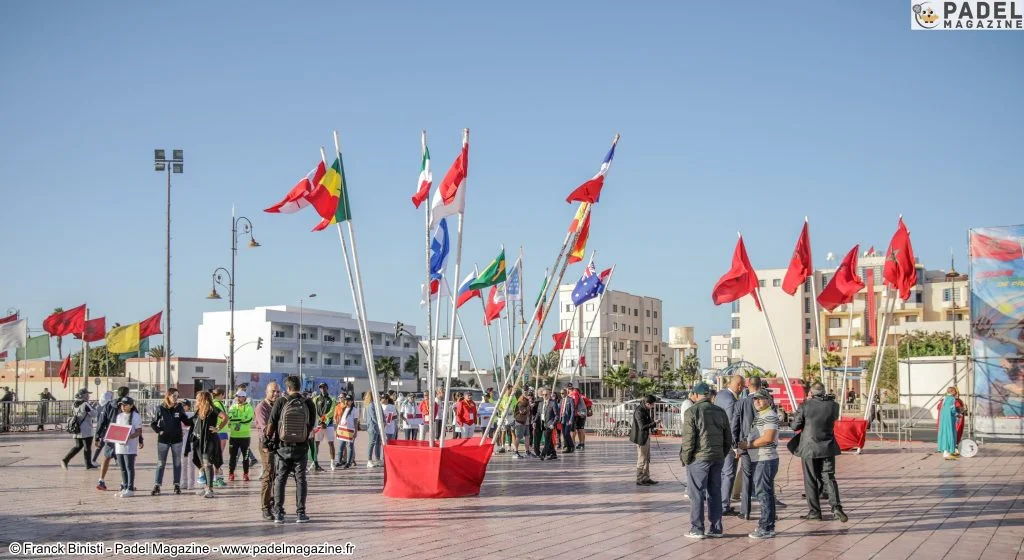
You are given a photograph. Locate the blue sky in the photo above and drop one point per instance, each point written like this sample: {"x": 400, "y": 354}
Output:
{"x": 730, "y": 119}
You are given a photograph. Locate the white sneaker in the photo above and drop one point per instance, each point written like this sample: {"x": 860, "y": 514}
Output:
{"x": 333, "y": 466}
{"x": 201, "y": 491}
{"x": 370, "y": 465}
{"x": 209, "y": 494}
{"x": 127, "y": 494}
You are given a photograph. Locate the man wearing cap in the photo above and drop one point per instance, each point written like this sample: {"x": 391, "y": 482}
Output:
{"x": 815, "y": 420}
{"x": 324, "y": 405}
{"x": 240, "y": 417}
{"x": 729, "y": 401}
{"x": 707, "y": 439}
{"x": 84, "y": 414}
{"x": 761, "y": 445}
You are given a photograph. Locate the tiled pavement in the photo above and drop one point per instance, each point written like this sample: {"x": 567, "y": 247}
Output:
{"x": 903, "y": 502}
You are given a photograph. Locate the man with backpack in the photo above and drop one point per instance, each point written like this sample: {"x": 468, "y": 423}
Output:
{"x": 80, "y": 425}
{"x": 289, "y": 428}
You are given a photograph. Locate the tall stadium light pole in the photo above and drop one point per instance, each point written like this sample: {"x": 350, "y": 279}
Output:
{"x": 174, "y": 165}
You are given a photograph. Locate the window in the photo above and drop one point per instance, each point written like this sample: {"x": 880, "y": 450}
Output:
{"x": 807, "y": 305}
{"x": 329, "y": 338}
{"x": 590, "y": 307}
{"x": 718, "y": 347}
{"x": 348, "y": 362}
{"x": 835, "y": 322}
{"x": 647, "y": 348}
{"x": 588, "y": 325}
{"x": 636, "y": 312}
{"x": 761, "y": 283}
{"x": 645, "y": 366}
{"x": 655, "y": 314}
{"x": 949, "y": 294}
{"x": 824, "y": 279}
{"x": 348, "y": 340}
{"x": 406, "y": 345}
{"x": 615, "y": 326}
{"x": 776, "y": 282}
{"x": 615, "y": 308}
{"x": 807, "y": 346}
{"x": 302, "y": 359}
{"x": 568, "y": 307}
{"x": 303, "y": 336}
{"x": 807, "y": 326}
{"x": 735, "y": 322}
{"x": 918, "y": 297}
{"x": 648, "y": 313}
{"x": 278, "y": 359}
{"x": 636, "y": 329}
{"x": 807, "y": 285}
{"x": 736, "y": 343}
{"x": 912, "y": 319}
{"x": 328, "y": 361}
{"x": 199, "y": 369}
{"x": 736, "y": 306}
{"x": 278, "y": 334}
{"x": 655, "y": 330}
{"x": 648, "y": 332}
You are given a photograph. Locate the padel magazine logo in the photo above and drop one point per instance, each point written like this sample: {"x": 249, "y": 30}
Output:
{"x": 1005, "y": 15}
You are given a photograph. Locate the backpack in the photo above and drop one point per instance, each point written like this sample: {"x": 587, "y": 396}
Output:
{"x": 293, "y": 426}
{"x": 74, "y": 425}
{"x": 590, "y": 406}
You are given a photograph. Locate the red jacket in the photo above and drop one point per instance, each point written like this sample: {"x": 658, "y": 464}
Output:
{"x": 465, "y": 413}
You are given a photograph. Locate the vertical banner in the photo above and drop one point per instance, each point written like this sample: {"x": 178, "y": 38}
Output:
{"x": 997, "y": 329}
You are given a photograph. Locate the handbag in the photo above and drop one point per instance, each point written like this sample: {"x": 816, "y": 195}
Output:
{"x": 345, "y": 434}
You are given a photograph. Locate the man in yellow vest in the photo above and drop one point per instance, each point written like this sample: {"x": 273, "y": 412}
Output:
{"x": 240, "y": 417}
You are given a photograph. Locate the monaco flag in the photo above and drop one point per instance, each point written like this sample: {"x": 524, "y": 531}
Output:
{"x": 844, "y": 285}
{"x": 739, "y": 281}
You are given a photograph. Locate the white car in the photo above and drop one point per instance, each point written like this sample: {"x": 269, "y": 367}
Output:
{"x": 620, "y": 417}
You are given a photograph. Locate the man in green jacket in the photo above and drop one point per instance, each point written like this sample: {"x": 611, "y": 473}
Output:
{"x": 240, "y": 417}
{"x": 324, "y": 405}
{"x": 707, "y": 439}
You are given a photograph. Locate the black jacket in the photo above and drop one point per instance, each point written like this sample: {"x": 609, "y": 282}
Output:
{"x": 816, "y": 419}
{"x": 298, "y": 450}
{"x": 643, "y": 425}
{"x": 167, "y": 423}
{"x": 707, "y": 435}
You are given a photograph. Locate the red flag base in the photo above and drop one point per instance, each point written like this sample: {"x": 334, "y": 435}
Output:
{"x": 851, "y": 433}
{"x": 413, "y": 469}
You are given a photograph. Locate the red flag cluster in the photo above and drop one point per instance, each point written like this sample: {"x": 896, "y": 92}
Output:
{"x": 844, "y": 285}
{"x": 67, "y": 322}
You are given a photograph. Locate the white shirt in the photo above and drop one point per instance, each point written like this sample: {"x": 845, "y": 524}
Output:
{"x": 682, "y": 410}
{"x": 390, "y": 415}
{"x": 409, "y": 410}
{"x": 135, "y": 421}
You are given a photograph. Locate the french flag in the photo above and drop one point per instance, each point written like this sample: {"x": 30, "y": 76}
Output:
{"x": 464, "y": 293}
{"x": 590, "y": 192}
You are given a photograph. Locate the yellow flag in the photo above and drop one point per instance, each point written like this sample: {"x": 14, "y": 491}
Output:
{"x": 121, "y": 340}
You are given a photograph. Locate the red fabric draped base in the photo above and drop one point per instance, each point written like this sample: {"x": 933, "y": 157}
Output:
{"x": 851, "y": 433}
{"x": 413, "y": 469}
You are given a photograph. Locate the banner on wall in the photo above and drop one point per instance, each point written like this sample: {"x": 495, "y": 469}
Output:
{"x": 997, "y": 328}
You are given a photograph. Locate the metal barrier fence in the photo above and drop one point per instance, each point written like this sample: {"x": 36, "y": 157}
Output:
{"x": 616, "y": 419}
{"x": 23, "y": 416}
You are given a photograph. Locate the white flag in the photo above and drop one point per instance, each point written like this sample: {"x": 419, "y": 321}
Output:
{"x": 13, "y": 335}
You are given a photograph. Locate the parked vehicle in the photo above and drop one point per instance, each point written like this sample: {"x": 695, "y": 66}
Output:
{"x": 619, "y": 418}
{"x": 778, "y": 388}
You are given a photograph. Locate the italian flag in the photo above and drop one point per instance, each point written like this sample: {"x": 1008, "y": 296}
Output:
{"x": 426, "y": 177}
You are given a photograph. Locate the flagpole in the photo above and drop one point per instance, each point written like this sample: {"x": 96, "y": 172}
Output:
{"x": 572, "y": 321}
{"x": 597, "y": 313}
{"x": 431, "y": 371}
{"x": 432, "y": 385}
{"x": 817, "y": 311}
{"x": 84, "y": 362}
{"x": 849, "y": 343}
{"x": 522, "y": 297}
{"x": 570, "y": 238}
{"x": 455, "y": 310}
{"x": 355, "y": 287}
{"x": 876, "y": 368}
{"x": 469, "y": 347}
{"x": 501, "y": 348}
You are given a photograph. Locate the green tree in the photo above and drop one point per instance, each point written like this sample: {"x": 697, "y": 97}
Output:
{"x": 690, "y": 369}
{"x": 412, "y": 365}
{"x": 670, "y": 379}
{"x": 618, "y": 378}
{"x": 830, "y": 359}
{"x": 388, "y": 369}
{"x": 101, "y": 363}
{"x": 156, "y": 352}
{"x": 60, "y": 352}
{"x": 644, "y": 386}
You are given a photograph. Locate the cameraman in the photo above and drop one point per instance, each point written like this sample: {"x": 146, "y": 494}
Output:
{"x": 262, "y": 418}
{"x": 643, "y": 425}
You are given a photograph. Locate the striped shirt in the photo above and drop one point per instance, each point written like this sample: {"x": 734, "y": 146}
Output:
{"x": 767, "y": 419}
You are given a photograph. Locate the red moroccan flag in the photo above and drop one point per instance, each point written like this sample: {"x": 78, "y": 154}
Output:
{"x": 95, "y": 329}
{"x": 65, "y": 371}
{"x": 150, "y": 326}
{"x": 844, "y": 285}
{"x": 67, "y": 322}
{"x": 985, "y": 247}
{"x": 800, "y": 266}
{"x": 583, "y": 361}
{"x": 739, "y": 281}
{"x": 9, "y": 319}
{"x": 563, "y": 340}
{"x": 495, "y": 305}
{"x": 899, "y": 271}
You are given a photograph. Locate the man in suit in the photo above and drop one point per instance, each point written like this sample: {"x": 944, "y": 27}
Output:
{"x": 815, "y": 420}
{"x": 729, "y": 401}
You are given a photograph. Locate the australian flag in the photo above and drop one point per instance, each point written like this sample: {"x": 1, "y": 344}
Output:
{"x": 590, "y": 285}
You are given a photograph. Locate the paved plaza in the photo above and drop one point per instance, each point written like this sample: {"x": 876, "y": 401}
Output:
{"x": 903, "y": 501}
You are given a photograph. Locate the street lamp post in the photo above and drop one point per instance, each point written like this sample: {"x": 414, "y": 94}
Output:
{"x": 399, "y": 331}
{"x": 302, "y": 380}
{"x": 246, "y": 230}
{"x": 953, "y": 276}
{"x": 176, "y": 165}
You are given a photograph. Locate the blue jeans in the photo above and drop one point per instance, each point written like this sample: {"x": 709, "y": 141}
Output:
{"x": 375, "y": 445}
{"x": 348, "y": 450}
{"x": 705, "y": 479}
{"x": 728, "y": 478}
{"x": 161, "y": 461}
{"x": 127, "y": 464}
{"x": 764, "y": 484}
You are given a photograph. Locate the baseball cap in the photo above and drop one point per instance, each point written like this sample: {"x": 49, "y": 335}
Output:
{"x": 83, "y": 392}
{"x": 126, "y": 400}
{"x": 241, "y": 393}
{"x": 701, "y": 389}
{"x": 321, "y": 385}
{"x": 762, "y": 394}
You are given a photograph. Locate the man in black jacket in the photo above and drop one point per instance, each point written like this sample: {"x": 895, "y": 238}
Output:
{"x": 643, "y": 425}
{"x": 742, "y": 419}
{"x": 547, "y": 415}
{"x": 292, "y": 459}
{"x": 817, "y": 447}
{"x": 707, "y": 439}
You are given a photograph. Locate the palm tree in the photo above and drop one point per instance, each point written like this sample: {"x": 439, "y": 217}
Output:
{"x": 644, "y": 386}
{"x": 690, "y": 369}
{"x": 60, "y": 353}
{"x": 387, "y": 368}
{"x": 156, "y": 352}
{"x": 412, "y": 365}
{"x": 618, "y": 378}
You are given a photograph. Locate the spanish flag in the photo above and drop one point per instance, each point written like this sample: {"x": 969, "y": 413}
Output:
{"x": 580, "y": 247}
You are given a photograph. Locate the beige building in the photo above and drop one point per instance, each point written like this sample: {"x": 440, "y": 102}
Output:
{"x": 721, "y": 353}
{"x": 625, "y": 330}
{"x": 935, "y": 304}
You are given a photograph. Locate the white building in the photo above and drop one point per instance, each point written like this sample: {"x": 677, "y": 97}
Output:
{"x": 721, "y": 351}
{"x": 189, "y": 375}
{"x": 626, "y": 330}
{"x": 267, "y": 340}
{"x": 935, "y": 303}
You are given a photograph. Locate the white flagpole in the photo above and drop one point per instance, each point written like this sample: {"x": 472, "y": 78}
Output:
{"x": 84, "y": 364}
{"x": 455, "y": 310}
{"x": 432, "y": 386}
{"x": 431, "y": 330}
{"x": 890, "y": 303}
{"x": 572, "y": 323}
{"x": 817, "y": 311}
{"x": 522, "y": 295}
{"x": 469, "y": 347}
{"x": 600, "y": 302}
{"x": 501, "y": 347}
{"x": 355, "y": 283}
{"x": 849, "y": 343}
